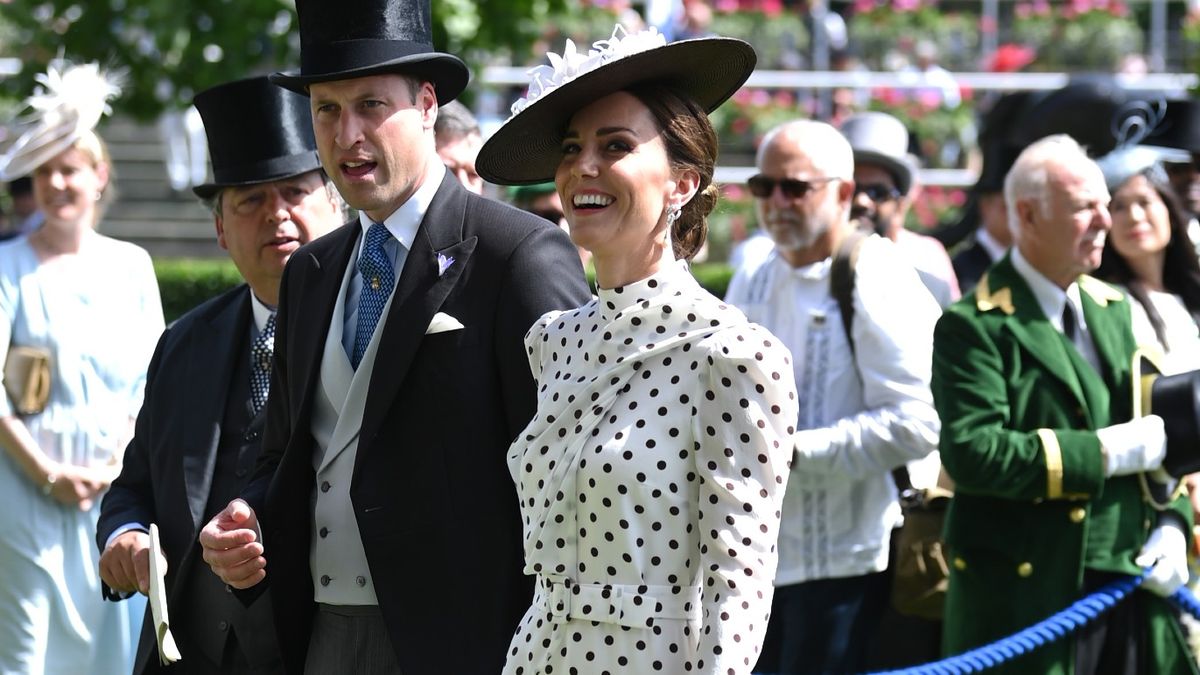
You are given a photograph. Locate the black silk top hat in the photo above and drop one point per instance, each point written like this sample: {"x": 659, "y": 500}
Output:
{"x": 1176, "y": 399}
{"x": 525, "y": 149}
{"x": 996, "y": 139}
{"x": 345, "y": 40}
{"x": 257, "y": 133}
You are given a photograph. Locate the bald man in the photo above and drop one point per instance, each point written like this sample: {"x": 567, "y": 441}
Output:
{"x": 870, "y": 376}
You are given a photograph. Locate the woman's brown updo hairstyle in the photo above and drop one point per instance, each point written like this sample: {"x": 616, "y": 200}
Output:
{"x": 691, "y": 143}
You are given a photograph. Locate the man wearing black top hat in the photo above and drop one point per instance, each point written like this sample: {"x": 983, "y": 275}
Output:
{"x": 992, "y": 237}
{"x": 382, "y": 515}
{"x": 197, "y": 436}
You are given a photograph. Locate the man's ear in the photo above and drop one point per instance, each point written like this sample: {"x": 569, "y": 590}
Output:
{"x": 427, "y": 103}
{"x": 1027, "y": 212}
{"x": 219, "y": 223}
{"x": 845, "y": 191}
{"x": 914, "y": 193}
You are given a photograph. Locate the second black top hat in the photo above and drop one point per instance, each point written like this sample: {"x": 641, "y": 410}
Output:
{"x": 256, "y": 132}
{"x": 345, "y": 40}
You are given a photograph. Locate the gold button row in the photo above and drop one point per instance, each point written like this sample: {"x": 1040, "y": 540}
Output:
{"x": 1025, "y": 569}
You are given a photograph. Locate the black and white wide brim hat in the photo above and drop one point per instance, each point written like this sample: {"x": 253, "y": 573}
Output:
{"x": 526, "y": 148}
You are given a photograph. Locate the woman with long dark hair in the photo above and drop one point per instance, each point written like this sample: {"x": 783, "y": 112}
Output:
{"x": 1149, "y": 255}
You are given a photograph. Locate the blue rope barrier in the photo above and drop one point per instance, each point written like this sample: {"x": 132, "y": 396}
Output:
{"x": 1063, "y": 623}
{"x": 1186, "y": 600}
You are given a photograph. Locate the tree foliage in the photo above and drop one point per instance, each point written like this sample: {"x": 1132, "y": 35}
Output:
{"x": 170, "y": 49}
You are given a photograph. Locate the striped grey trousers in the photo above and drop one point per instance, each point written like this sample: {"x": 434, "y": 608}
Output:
{"x": 350, "y": 639}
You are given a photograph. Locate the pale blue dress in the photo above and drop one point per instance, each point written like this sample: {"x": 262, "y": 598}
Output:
{"x": 100, "y": 315}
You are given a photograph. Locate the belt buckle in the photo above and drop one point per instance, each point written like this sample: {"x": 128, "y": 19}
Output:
{"x": 559, "y": 598}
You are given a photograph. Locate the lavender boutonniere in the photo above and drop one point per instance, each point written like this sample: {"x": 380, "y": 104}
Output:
{"x": 444, "y": 263}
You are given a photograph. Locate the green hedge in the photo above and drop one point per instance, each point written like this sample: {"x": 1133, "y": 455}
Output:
{"x": 185, "y": 283}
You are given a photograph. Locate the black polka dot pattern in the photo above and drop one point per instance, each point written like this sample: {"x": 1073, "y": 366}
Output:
{"x": 651, "y": 481}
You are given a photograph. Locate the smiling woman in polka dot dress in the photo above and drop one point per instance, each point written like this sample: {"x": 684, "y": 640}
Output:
{"x": 652, "y": 475}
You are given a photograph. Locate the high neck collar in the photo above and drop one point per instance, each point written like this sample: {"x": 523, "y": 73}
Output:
{"x": 671, "y": 278}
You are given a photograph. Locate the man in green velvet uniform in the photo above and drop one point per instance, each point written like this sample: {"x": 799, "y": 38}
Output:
{"x": 1031, "y": 378}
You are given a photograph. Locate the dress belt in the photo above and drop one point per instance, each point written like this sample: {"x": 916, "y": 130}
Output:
{"x": 629, "y": 605}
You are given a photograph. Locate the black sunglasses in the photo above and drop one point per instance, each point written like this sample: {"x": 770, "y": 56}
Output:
{"x": 877, "y": 193}
{"x": 764, "y": 186}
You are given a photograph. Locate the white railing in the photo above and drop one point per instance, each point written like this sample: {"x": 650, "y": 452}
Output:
{"x": 795, "y": 79}
{"x": 1173, "y": 84}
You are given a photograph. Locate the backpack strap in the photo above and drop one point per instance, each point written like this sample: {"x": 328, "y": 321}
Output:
{"x": 842, "y": 278}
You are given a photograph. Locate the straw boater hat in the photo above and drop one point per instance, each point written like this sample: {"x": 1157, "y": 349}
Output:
{"x": 68, "y": 104}
{"x": 257, "y": 133}
{"x": 525, "y": 149}
{"x": 345, "y": 40}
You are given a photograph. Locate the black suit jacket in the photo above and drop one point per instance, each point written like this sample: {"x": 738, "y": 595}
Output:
{"x": 431, "y": 491}
{"x": 168, "y": 468}
{"x": 969, "y": 265}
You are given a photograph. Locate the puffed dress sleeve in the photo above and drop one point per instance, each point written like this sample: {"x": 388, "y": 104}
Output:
{"x": 746, "y": 414}
{"x": 535, "y": 337}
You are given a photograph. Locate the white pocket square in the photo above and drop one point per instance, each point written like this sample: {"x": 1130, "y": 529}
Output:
{"x": 443, "y": 322}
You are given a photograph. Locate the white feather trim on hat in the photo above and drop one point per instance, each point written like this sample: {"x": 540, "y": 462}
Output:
{"x": 573, "y": 63}
{"x": 68, "y": 104}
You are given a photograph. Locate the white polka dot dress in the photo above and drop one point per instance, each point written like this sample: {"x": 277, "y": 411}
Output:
{"x": 651, "y": 480}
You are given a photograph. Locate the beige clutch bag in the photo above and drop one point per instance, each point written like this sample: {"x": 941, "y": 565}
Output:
{"x": 27, "y": 378}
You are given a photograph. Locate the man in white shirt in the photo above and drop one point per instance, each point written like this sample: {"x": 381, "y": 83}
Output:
{"x": 865, "y": 406}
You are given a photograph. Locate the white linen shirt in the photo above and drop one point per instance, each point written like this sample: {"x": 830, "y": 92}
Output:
{"x": 857, "y": 421}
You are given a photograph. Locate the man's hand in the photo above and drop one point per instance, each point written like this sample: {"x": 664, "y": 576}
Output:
{"x": 1133, "y": 446}
{"x": 1166, "y": 551}
{"x": 125, "y": 564}
{"x": 231, "y": 546}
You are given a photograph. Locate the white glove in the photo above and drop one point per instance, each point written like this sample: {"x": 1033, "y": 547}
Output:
{"x": 1166, "y": 550}
{"x": 1134, "y": 446}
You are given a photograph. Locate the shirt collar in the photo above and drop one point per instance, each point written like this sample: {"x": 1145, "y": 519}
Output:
{"x": 815, "y": 271}
{"x": 404, "y": 221}
{"x": 260, "y": 311}
{"x": 994, "y": 249}
{"x": 1049, "y": 296}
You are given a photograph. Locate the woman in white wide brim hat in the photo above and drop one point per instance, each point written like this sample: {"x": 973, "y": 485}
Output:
{"x": 652, "y": 475}
{"x": 92, "y": 304}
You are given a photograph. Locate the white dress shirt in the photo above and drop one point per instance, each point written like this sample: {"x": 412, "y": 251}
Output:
{"x": 403, "y": 224}
{"x": 1052, "y": 299}
{"x": 859, "y": 418}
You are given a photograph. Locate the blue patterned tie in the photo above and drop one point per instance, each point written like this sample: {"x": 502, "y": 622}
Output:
{"x": 377, "y": 276}
{"x": 260, "y": 364}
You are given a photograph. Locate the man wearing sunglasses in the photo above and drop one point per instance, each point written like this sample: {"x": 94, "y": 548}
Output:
{"x": 864, "y": 391}
{"x": 884, "y": 189}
